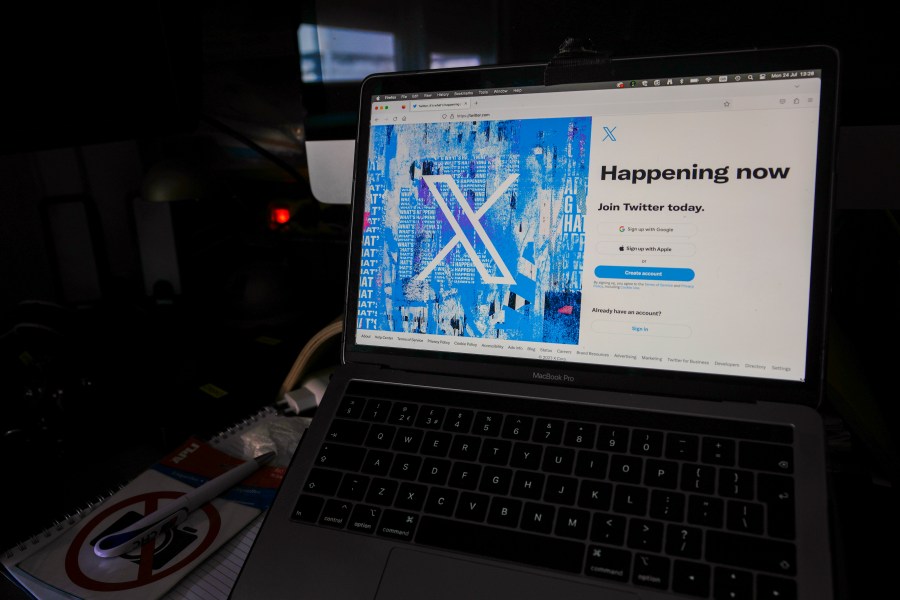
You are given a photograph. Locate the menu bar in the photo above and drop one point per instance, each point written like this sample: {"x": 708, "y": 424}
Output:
{"x": 608, "y": 85}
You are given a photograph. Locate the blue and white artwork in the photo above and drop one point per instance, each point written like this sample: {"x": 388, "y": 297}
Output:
{"x": 476, "y": 229}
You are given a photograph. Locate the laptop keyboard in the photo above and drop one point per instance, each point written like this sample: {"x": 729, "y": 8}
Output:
{"x": 699, "y": 506}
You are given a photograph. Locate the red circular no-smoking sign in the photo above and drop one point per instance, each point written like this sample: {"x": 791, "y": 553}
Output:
{"x": 143, "y": 503}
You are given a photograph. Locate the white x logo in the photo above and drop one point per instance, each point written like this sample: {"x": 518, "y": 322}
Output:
{"x": 459, "y": 237}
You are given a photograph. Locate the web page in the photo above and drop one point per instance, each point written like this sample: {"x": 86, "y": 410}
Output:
{"x": 663, "y": 228}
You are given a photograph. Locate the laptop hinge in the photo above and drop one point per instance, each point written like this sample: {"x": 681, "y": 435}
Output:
{"x": 576, "y": 62}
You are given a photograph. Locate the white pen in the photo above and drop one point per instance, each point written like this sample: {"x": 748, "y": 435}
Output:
{"x": 150, "y": 526}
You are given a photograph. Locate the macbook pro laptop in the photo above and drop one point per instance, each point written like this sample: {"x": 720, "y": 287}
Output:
{"x": 584, "y": 341}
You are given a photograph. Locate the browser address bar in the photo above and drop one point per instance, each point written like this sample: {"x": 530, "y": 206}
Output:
{"x": 455, "y": 104}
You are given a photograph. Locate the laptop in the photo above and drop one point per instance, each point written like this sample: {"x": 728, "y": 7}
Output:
{"x": 584, "y": 340}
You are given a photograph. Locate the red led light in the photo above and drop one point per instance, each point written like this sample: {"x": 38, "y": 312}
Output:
{"x": 280, "y": 215}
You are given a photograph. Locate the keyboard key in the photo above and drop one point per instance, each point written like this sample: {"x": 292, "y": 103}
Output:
{"x": 527, "y": 484}
{"x": 744, "y": 517}
{"x": 608, "y": 563}
{"x": 337, "y": 456}
{"x": 777, "y": 492}
{"x": 630, "y": 500}
{"x": 459, "y": 421}
{"x": 308, "y": 508}
{"x": 408, "y": 440}
{"x": 625, "y": 468}
{"x": 537, "y": 517}
{"x": 548, "y": 431}
{"x": 645, "y": 535}
{"x": 441, "y": 501}
{"x": 646, "y": 443}
{"x": 526, "y": 456}
{"x": 465, "y": 475}
{"x": 335, "y": 513}
{"x": 661, "y": 473}
{"x": 608, "y": 529}
{"x": 487, "y": 424}
{"x": 322, "y": 481}
{"x": 435, "y": 471}
{"x": 651, "y": 570}
{"x": 382, "y": 491}
{"x": 496, "y": 480}
{"x": 573, "y": 523}
{"x": 495, "y": 452}
{"x": 436, "y": 443}
{"x": 612, "y": 439}
{"x": 353, "y": 486}
{"x": 364, "y": 518}
{"x": 775, "y": 588}
{"x": 465, "y": 447}
{"x": 707, "y": 511}
{"x": 559, "y": 460}
{"x": 472, "y": 506}
{"x": 686, "y": 542}
{"x": 732, "y": 584}
{"x": 734, "y": 483}
{"x": 431, "y": 417}
{"x": 406, "y": 466}
{"x": 667, "y": 506}
{"x": 504, "y": 511}
{"x": 399, "y": 525}
{"x": 682, "y": 446}
{"x": 380, "y": 436}
{"x": 516, "y": 427}
{"x": 377, "y": 462}
{"x": 594, "y": 495}
{"x": 376, "y": 410}
{"x": 750, "y": 552}
{"x": 766, "y": 457}
{"x": 347, "y": 432}
{"x": 411, "y": 496}
{"x": 691, "y": 578}
{"x": 503, "y": 544}
{"x": 560, "y": 490}
{"x": 402, "y": 413}
{"x": 351, "y": 407}
{"x": 591, "y": 464}
{"x": 718, "y": 451}
{"x": 580, "y": 435}
{"x": 698, "y": 478}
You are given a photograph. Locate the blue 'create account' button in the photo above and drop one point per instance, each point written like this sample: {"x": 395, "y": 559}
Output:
{"x": 646, "y": 273}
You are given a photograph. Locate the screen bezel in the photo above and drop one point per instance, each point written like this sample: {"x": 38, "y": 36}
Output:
{"x": 601, "y": 377}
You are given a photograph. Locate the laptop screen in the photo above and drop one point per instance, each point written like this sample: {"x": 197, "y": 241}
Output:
{"x": 663, "y": 222}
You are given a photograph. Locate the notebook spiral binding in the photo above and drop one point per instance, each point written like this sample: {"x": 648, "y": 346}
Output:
{"x": 24, "y": 548}
{"x": 263, "y": 413}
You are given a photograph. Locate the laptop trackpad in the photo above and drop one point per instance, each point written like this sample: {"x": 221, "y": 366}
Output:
{"x": 413, "y": 575}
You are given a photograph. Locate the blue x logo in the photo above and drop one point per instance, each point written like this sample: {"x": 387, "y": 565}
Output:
{"x": 609, "y": 134}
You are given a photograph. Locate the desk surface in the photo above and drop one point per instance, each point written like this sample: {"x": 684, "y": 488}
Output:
{"x": 862, "y": 502}
{"x": 74, "y": 461}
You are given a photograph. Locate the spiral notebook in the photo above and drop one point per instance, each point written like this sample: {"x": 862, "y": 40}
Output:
{"x": 207, "y": 554}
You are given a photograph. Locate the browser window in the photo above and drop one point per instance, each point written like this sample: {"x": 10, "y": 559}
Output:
{"x": 623, "y": 223}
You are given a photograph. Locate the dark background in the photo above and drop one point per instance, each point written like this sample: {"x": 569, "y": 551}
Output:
{"x": 105, "y": 110}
